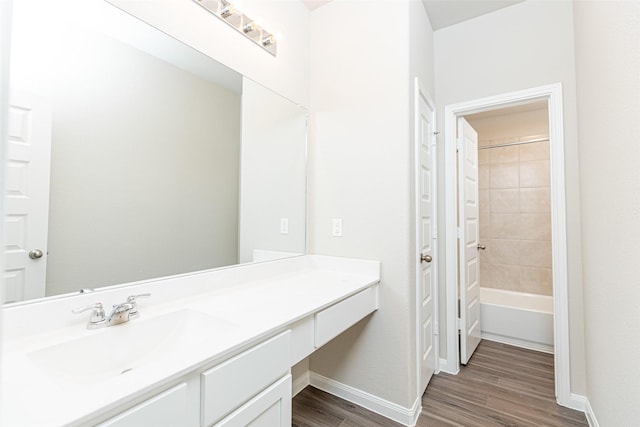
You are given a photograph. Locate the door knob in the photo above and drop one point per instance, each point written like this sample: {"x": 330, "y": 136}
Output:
{"x": 35, "y": 254}
{"x": 481, "y": 247}
{"x": 426, "y": 258}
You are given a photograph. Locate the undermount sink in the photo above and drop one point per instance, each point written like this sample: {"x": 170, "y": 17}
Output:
{"x": 117, "y": 350}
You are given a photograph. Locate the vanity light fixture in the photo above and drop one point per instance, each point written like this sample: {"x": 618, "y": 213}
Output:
{"x": 246, "y": 26}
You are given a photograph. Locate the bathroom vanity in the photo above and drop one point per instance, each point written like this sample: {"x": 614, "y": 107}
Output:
{"x": 209, "y": 348}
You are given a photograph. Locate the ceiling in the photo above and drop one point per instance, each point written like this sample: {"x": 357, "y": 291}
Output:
{"x": 443, "y": 13}
{"x": 314, "y": 4}
{"x": 531, "y": 106}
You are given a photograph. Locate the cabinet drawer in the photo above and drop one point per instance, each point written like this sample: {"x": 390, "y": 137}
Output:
{"x": 230, "y": 384}
{"x": 271, "y": 408}
{"x": 167, "y": 409}
{"x": 336, "y": 319}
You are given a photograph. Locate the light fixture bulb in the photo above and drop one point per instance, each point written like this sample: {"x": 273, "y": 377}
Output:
{"x": 268, "y": 40}
{"x": 227, "y": 11}
{"x": 251, "y": 26}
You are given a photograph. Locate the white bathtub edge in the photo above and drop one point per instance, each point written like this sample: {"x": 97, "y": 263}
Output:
{"x": 518, "y": 319}
{"x": 512, "y": 299}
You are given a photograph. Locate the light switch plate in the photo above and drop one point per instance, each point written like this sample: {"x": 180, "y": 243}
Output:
{"x": 336, "y": 228}
{"x": 284, "y": 225}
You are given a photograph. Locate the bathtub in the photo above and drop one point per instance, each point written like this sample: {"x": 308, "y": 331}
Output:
{"x": 520, "y": 319}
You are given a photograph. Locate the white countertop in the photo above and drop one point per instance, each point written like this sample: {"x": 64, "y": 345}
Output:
{"x": 260, "y": 300}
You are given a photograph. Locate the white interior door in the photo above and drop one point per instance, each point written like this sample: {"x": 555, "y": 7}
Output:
{"x": 468, "y": 223}
{"x": 27, "y": 197}
{"x": 426, "y": 230}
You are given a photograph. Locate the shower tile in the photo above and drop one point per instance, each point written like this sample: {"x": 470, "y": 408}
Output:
{"x": 534, "y": 174}
{"x": 505, "y": 277}
{"x": 504, "y": 154}
{"x": 486, "y": 256}
{"x": 504, "y": 175}
{"x": 535, "y": 200}
{"x": 534, "y": 253}
{"x": 505, "y": 201}
{"x": 536, "y": 280}
{"x": 484, "y": 157}
{"x": 505, "y": 226}
{"x": 535, "y": 151}
{"x": 485, "y": 227}
{"x": 534, "y": 136}
{"x": 485, "y": 274}
{"x": 504, "y": 251}
{"x": 535, "y": 226}
{"x": 483, "y": 176}
{"x": 484, "y": 201}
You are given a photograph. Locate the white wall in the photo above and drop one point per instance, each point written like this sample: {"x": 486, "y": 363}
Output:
{"x": 361, "y": 149}
{"x": 286, "y": 74}
{"x": 144, "y": 160}
{"x": 273, "y": 174}
{"x": 525, "y": 45}
{"x": 607, "y": 39}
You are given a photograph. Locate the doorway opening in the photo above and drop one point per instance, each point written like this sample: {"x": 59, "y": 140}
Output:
{"x": 514, "y": 231}
{"x": 463, "y": 222}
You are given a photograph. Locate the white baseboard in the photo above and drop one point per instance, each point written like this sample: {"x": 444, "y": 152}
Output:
{"x": 588, "y": 412}
{"x": 299, "y": 383}
{"x": 395, "y": 412}
{"x": 516, "y": 342}
{"x": 444, "y": 367}
{"x": 576, "y": 401}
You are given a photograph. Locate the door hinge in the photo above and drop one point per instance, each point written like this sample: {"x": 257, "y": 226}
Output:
{"x": 459, "y": 143}
{"x": 459, "y": 232}
{"x": 459, "y": 323}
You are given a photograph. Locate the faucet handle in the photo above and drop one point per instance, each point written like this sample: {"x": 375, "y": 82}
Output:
{"x": 97, "y": 315}
{"x": 79, "y": 310}
{"x": 131, "y": 299}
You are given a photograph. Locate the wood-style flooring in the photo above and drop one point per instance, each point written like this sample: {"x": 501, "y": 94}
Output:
{"x": 501, "y": 386}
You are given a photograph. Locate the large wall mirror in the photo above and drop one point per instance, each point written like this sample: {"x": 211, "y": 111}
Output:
{"x": 132, "y": 156}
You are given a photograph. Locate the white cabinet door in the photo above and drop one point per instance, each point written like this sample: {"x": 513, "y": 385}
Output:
{"x": 230, "y": 384}
{"x": 27, "y": 197}
{"x": 167, "y": 409}
{"x": 271, "y": 408}
{"x": 469, "y": 225}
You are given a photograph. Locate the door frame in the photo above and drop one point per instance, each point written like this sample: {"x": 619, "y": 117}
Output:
{"x": 553, "y": 94}
{"x": 420, "y": 92}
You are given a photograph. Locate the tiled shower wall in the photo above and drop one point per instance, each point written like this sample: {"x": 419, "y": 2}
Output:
{"x": 515, "y": 216}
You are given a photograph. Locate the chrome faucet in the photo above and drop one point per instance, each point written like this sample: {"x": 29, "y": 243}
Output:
{"x": 120, "y": 313}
